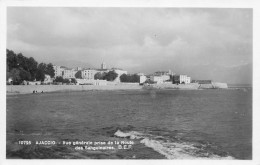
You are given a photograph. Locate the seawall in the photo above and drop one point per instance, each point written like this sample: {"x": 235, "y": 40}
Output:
{"x": 25, "y": 89}
{"x": 214, "y": 85}
{"x": 190, "y": 86}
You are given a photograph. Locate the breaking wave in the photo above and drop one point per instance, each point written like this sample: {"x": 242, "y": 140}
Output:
{"x": 175, "y": 149}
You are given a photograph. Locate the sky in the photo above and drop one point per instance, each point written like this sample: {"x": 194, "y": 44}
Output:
{"x": 204, "y": 43}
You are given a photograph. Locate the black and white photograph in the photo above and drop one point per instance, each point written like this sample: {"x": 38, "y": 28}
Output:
{"x": 129, "y": 83}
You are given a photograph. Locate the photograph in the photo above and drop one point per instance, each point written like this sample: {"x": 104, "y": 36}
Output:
{"x": 129, "y": 83}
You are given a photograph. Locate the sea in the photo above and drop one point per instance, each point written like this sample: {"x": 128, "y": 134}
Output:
{"x": 131, "y": 124}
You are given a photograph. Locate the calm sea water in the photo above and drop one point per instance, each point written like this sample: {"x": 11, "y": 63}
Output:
{"x": 173, "y": 124}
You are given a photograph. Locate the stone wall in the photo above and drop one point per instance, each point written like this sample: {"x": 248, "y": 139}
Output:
{"x": 175, "y": 86}
{"x": 24, "y": 89}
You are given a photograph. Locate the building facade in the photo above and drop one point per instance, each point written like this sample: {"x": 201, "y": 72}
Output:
{"x": 103, "y": 65}
{"x": 57, "y": 71}
{"x": 157, "y": 79}
{"x": 68, "y": 73}
{"x": 142, "y": 79}
{"x": 47, "y": 79}
{"x": 88, "y": 73}
{"x": 161, "y": 73}
{"x": 181, "y": 79}
{"x": 165, "y": 77}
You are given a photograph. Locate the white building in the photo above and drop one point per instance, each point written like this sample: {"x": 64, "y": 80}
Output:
{"x": 10, "y": 80}
{"x": 165, "y": 77}
{"x": 182, "y": 79}
{"x": 142, "y": 79}
{"x": 185, "y": 79}
{"x": 47, "y": 79}
{"x": 157, "y": 79}
{"x": 161, "y": 73}
{"x": 58, "y": 70}
{"x": 103, "y": 65}
{"x": 88, "y": 73}
{"x": 188, "y": 80}
{"x": 68, "y": 73}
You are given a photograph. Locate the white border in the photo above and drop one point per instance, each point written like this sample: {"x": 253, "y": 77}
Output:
{"x": 136, "y": 3}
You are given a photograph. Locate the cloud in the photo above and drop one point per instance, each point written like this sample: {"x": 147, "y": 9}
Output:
{"x": 136, "y": 39}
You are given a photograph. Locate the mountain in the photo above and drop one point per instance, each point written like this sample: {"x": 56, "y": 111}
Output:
{"x": 73, "y": 64}
{"x": 240, "y": 74}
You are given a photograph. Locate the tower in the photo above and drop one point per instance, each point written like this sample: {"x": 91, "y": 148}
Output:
{"x": 103, "y": 65}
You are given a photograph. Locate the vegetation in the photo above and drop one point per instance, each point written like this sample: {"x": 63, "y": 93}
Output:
{"x": 99, "y": 76}
{"x": 78, "y": 75}
{"x": 110, "y": 76}
{"x": 73, "y": 80}
{"x": 21, "y": 68}
{"x": 129, "y": 78}
{"x": 60, "y": 79}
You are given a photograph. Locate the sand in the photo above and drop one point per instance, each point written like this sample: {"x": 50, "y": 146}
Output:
{"x": 25, "y": 89}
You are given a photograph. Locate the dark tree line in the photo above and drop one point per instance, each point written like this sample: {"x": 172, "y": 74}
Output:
{"x": 109, "y": 76}
{"x": 78, "y": 74}
{"x": 21, "y": 68}
{"x": 65, "y": 81}
{"x": 130, "y": 78}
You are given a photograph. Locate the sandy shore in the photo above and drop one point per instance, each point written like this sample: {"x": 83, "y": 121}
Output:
{"x": 25, "y": 89}
{"x": 191, "y": 86}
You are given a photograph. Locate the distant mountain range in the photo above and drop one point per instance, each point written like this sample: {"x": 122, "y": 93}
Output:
{"x": 240, "y": 74}
{"x": 73, "y": 64}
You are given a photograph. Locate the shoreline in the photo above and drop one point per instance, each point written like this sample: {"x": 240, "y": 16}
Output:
{"x": 28, "y": 89}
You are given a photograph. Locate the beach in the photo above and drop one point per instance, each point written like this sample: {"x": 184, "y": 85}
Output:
{"x": 26, "y": 89}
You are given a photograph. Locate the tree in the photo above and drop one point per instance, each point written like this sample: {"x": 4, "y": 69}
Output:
{"x": 11, "y": 60}
{"x": 73, "y": 80}
{"x": 8, "y": 75}
{"x": 15, "y": 75}
{"x": 40, "y": 73}
{"x": 66, "y": 81}
{"x": 32, "y": 67}
{"x": 50, "y": 70}
{"x": 129, "y": 78}
{"x": 99, "y": 76}
{"x": 42, "y": 67}
{"x": 22, "y": 61}
{"x": 27, "y": 68}
{"x": 78, "y": 75}
{"x": 40, "y": 76}
{"x": 110, "y": 76}
{"x": 58, "y": 79}
{"x": 24, "y": 75}
{"x": 135, "y": 78}
{"x": 124, "y": 78}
